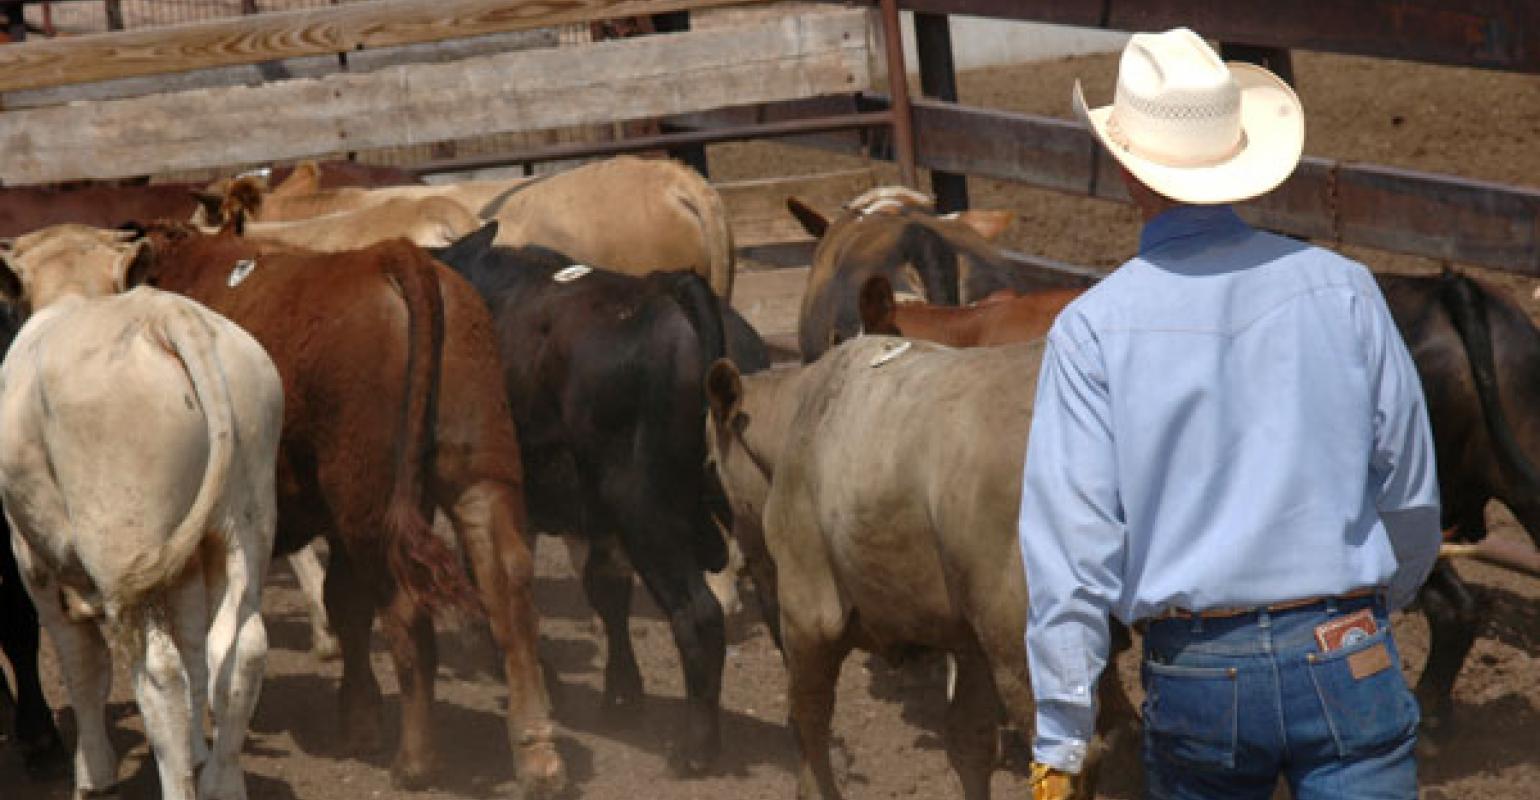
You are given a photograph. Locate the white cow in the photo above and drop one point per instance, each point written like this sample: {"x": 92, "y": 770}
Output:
{"x": 138, "y": 438}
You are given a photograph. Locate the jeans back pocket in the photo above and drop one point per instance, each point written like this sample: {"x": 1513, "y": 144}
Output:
{"x": 1367, "y": 713}
{"x": 1191, "y": 714}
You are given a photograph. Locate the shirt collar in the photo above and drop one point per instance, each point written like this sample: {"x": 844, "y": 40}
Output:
{"x": 1187, "y": 220}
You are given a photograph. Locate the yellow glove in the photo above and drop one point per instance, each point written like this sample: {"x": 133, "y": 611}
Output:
{"x": 1050, "y": 784}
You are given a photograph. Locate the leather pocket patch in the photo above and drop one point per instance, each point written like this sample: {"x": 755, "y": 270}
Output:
{"x": 1369, "y": 661}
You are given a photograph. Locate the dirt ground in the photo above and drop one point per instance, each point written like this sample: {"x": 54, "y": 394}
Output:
{"x": 1478, "y": 124}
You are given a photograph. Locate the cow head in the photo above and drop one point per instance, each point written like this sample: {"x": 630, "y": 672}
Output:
{"x": 878, "y": 307}
{"x": 895, "y": 233}
{"x": 63, "y": 260}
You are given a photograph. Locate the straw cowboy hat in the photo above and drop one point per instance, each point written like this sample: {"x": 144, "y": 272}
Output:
{"x": 1194, "y": 128}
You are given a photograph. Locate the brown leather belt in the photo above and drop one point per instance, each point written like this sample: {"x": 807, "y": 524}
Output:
{"x": 1287, "y": 605}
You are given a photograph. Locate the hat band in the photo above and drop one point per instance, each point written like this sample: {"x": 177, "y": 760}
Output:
{"x": 1118, "y": 137}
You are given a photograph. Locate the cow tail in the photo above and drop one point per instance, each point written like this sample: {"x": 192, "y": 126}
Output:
{"x": 190, "y": 339}
{"x": 1466, "y": 304}
{"x": 421, "y": 564}
{"x": 705, "y": 205}
{"x": 704, "y": 313}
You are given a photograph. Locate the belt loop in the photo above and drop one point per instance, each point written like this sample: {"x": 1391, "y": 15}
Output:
{"x": 1331, "y": 606}
{"x": 1264, "y": 618}
{"x": 1197, "y": 623}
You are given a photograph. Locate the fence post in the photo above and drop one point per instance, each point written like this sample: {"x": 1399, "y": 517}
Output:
{"x": 898, "y": 89}
{"x": 938, "y": 79}
{"x": 16, "y": 22}
{"x": 692, "y": 155}
{"x": 1275, "y": 59}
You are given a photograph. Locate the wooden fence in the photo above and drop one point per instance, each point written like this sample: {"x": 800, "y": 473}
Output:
{"x": 1405, "y": 211}
{"x": 73, "y": 114}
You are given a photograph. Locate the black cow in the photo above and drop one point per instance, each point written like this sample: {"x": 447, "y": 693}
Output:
{"x": 1478, "y": 355}
{"x": 604, "y": 374}
{"x": 42, "y": 752}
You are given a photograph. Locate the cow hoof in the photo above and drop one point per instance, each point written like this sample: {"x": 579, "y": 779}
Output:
{"x": 542, "y": 775}
{"x": 622, "y": 695}
{"x": 694, "y": 762}
{"x": 325, "y": 649}
{"x": 362, "y": 739}
{"x": 410, "y": 775}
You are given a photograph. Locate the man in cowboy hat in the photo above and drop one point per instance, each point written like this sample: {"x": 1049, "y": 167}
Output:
{"x": 1229, "y": 448}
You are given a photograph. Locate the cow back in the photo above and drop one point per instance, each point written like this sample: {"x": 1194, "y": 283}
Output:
{"x": 900, "y": 480}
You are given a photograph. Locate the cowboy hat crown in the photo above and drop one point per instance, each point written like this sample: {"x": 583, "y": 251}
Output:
{"x": 1194, "y": 128}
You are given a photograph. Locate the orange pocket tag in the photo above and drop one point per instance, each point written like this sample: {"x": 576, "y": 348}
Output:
{"x": 1368, "y": 662}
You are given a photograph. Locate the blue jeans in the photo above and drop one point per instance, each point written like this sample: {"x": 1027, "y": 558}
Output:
{"x": 1232, "y": 704}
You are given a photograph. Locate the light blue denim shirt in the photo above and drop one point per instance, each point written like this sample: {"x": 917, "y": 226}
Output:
{"x": 1229, "y": 419}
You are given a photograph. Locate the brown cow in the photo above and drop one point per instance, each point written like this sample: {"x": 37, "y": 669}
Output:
{"x": 107, "y": 205}
{"x": 629, "y": 214}
{"x": 1004, "y": 317}
{"x": 393, "y": 406}
{"x": 945, "y": 259}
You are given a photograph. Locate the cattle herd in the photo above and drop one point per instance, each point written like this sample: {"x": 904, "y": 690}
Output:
{"x": 204, "y": 377}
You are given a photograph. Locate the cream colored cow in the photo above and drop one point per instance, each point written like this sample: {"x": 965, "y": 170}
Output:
{"x": 138, "y": 435}
{"x": 627, "y": 214}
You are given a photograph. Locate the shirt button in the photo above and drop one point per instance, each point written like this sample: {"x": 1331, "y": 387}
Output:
{"x": 1077, "y": 690}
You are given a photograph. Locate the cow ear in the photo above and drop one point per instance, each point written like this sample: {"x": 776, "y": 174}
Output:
{"x": 468, "y": 249}
{"x": 812, "y": 221}
{"x": 136, "y": 266}
{"x": 210, "y": 204}
{"x": 988, "y": 224}
{"x": 877, "y": 308}
{"x": 724, "y": 390}
{"x": 10, "y": 282}
{"x": 305, "y": 179}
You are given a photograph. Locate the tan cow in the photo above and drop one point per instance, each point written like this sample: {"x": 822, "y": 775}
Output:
{"x": 425, "y": 222}
{"x": 628, "y": 214}
{"x": 138, "y": 438}
{"x": 893, "y": 232}
{"x": 887, "y": 476}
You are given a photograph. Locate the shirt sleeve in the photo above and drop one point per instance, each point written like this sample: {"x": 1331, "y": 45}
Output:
{"x": 1072, "y": 545}
{"x": 1404, "y": 470}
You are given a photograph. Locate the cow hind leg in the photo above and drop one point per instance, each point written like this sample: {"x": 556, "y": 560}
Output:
{"x": 312, "y": 580}
{"x": 813, "y": 668}
{"x": 408, "y": 629}
{"x": 87, "y": 666}
{"x": 972, "y": 718}
{"x": 678, "y": 586}
{"x": 487, "y": 520}
{"x": 42, "y": 751}
{"x": 187, "y": 616}
{"x": 607, "y": 584}
{"x": 164, "y": 693}
{"x": 1454, "y": 617}
{"x": 350, "y": 603}
{"x": 237, "y": 655}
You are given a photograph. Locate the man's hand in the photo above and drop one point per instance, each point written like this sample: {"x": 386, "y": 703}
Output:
{"x": 1051, "y": 784}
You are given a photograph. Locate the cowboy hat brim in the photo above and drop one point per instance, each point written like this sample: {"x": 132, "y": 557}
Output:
{"x": 1273, "y": 131}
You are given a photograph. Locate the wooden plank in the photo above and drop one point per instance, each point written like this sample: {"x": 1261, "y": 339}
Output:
{"x": 1423, "y": 214}
{"x": 757, "y": 208}
{"x": 1493, "y": 34}
{"x": 295, "y": 34}
{"x": 636, "y": 78}
{"x": 286, "y": 69}
{"x": 771, "y": 299}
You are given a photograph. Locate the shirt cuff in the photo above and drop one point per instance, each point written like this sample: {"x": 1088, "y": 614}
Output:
{"x": 1063, "y": 733}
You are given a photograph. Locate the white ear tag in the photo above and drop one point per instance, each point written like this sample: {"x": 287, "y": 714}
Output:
{"x": 572, "y": 273}
{"x": 242, "y": 269}
{"x": 890, "y": 351}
